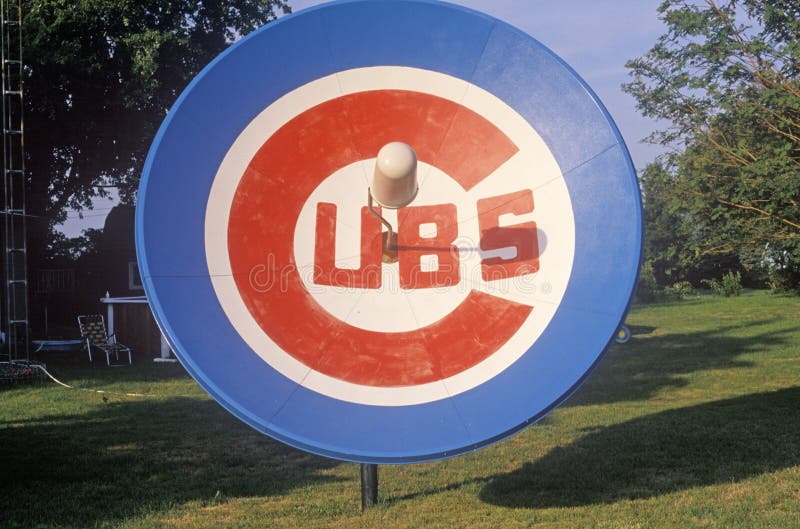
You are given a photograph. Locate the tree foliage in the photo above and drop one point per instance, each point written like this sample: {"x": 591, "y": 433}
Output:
{"x": 66, "y": 249}
{"x": 726, "y": 78}
{"x": 100, "y": 77}
{"x": 668, "y": 237}
{"x": 674, "y": 242}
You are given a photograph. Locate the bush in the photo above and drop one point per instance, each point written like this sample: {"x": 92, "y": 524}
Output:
{"x": 730, "y": 285}
{"x": 680, "y": 290}
{"x": 785, "y": 279}
{"x": 783, "y": 267}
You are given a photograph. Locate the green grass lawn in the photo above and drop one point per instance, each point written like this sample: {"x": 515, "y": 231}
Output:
{"x": 693, "y": 423}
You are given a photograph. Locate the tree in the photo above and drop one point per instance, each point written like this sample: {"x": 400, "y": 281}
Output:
{"x": 100, "y": 77}
{"x": 65, "y": 249}
{"x": 725, "y": 78}
{"x": 673, "y": 246}
{"x": 668, "y": 242}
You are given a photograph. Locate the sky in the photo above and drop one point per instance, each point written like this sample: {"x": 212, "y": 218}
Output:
{"x": 595, "y": 38}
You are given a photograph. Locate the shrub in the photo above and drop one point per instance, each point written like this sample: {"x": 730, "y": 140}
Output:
{"x": 680, "y": 290}
{"x": 785, "y": 279}
{"x": 729, "y": 285}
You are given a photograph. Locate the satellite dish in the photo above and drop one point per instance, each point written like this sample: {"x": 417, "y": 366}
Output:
{"x": 263, "y": 264}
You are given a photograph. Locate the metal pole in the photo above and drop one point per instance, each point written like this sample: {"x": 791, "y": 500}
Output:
{"x": 369, "y": 485}
{"x": 390, "y": 248}
{"x": 383, "y": 220}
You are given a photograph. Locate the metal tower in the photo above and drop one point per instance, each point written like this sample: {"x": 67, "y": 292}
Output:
{"x": 15, "y": 322}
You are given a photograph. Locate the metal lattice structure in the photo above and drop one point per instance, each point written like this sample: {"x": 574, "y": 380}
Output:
{"x": 15, "y": 320}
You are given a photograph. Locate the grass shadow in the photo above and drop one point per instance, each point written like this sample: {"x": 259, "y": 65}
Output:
{"x": 650, "y": 362}
{"x": 132, "y": 457}
{"x": 713, "y": 443}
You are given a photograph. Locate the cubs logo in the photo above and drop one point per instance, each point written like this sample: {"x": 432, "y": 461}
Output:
{"x": 484, "y": 250}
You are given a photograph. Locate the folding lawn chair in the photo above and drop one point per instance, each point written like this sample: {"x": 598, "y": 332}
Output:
{"x": 93, "y": 334}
